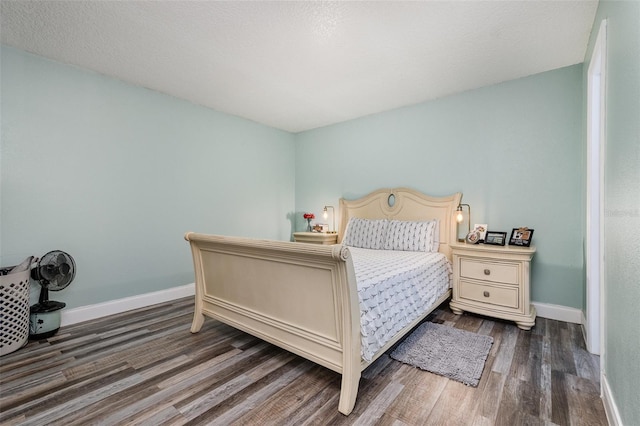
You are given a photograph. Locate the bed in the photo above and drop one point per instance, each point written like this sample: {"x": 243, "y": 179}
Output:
{"x": 305, "y": 298}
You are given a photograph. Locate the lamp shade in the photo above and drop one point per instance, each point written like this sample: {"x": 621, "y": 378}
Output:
{"x": 325, "y": 214}
{"x": 459, "y": 216}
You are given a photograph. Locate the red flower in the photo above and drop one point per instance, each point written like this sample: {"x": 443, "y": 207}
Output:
{"x": 309, "y": 216}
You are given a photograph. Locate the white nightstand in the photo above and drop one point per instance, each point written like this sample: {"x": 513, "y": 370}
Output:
{"x": 494, "y": 281}
{"x": 324, "y": 238}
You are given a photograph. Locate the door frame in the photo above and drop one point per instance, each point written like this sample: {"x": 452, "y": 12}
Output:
{"x": 596, "y": 141}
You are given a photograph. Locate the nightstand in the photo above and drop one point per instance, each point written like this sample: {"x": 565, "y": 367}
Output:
{"x": 324, "y": 238}
{"x": 493, "y": 281}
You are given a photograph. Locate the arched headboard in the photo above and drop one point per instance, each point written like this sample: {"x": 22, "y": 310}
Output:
{"x": 405, "y": 204}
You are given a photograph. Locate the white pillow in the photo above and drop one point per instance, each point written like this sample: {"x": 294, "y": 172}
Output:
{"x": 411, "y": 236}
{"x": 436, "y": 237}
{"x": 366, "y": 233}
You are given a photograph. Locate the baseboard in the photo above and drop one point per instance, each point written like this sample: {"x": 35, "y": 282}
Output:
{"x": 610, "y": 407}
{"x": 99, "y": 310}
{"x": 558, "y": 312}
{"x": 582, "y": 327}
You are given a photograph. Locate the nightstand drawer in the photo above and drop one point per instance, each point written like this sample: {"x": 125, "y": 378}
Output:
{"x": 495, "y": 295}
{"x": 486, "y": 271}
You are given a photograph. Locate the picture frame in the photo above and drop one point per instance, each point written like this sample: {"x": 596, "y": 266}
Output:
{"x": 473, "y": 237}
{"x": 482, "y": 229}
{"x": 495, "y": 238}
{"x": 521, "y": 237}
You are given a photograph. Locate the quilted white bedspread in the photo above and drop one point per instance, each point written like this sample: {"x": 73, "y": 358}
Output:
{"x": 395, "y": 288}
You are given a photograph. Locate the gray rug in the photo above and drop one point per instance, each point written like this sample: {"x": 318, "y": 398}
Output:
{"x": 450, "y": 352}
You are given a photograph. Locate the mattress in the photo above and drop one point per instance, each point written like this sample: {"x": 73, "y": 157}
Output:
{"x": 394, "y": 289}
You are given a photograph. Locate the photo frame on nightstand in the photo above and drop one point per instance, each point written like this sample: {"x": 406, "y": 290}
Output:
{"x": 473, "y": 237}
{"x": 482, "y": 229}
{"x": 521, "y": 237}
{"x": 495, "y": 238}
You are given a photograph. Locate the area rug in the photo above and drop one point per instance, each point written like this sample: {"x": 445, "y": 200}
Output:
{"x": 450, "y": 352}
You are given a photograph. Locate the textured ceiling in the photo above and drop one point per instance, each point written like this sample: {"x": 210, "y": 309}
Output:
{"x": 301, "y": 65}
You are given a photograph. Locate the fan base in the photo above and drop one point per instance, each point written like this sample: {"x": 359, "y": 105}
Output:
{"x": 41, "y": 336}
{"x": 47, "y": 306}
{"x": 44, "y": 320}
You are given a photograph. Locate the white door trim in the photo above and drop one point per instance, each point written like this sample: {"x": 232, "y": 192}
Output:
{"x": 596, "y": 117}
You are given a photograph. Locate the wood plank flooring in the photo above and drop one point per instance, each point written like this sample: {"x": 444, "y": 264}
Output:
{"x": 144, "y": 367}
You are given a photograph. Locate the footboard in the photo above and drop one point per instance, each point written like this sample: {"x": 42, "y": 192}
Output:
{"x": 301, "y": 297}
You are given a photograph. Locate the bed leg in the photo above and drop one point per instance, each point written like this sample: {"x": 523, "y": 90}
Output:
{"x": 198, "y": 320}
{"x": 348, "y": 392}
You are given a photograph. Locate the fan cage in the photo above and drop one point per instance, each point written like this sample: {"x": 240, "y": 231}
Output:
{"x": 14, "y": 311}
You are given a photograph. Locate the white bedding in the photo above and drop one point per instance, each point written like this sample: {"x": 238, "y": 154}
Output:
{"x": 394, "y": 288}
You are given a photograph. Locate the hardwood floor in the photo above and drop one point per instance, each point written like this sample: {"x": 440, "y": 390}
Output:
{"x": 145, "y": 367}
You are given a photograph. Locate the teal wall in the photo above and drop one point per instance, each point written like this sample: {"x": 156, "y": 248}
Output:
{"x": 140, "y": 168}
{"x": 513, "y": 150}
{"x": 622, "y": 203}
{"x": 115, "y": 175}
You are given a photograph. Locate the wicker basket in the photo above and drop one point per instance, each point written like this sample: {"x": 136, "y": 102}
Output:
{"x": 14, "y": 307}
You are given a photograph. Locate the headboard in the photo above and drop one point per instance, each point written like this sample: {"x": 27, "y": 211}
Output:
{"x": 405, "y": 204}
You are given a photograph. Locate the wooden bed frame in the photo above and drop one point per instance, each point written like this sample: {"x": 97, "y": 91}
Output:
{"x": 303, "y": 297}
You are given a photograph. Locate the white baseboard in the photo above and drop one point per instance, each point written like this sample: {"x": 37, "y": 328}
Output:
{"x": 99, "y": 310}
{"x": 558, "y": 312}
{"x": 584, "y": 330}
{"x": 610, "y": 407}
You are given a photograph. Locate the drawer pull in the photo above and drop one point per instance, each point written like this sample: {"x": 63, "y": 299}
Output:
{"x": 487, "y": 272}
{"x": 485, "y": 294}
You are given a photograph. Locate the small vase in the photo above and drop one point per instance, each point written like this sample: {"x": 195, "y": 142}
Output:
{"x": 309, "y": 229}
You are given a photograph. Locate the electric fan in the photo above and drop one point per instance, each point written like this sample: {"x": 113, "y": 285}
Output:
{"x": 54, "y": 271}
